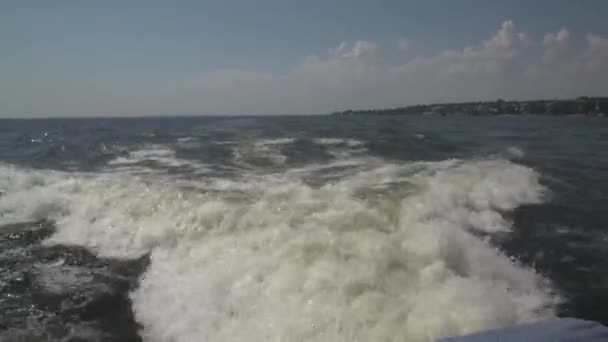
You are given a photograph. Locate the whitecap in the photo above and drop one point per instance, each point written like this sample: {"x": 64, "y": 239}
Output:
{"x": 284, "y": 260}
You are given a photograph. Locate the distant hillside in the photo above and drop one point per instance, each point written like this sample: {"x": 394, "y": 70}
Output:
{"x": 596, "y": 106}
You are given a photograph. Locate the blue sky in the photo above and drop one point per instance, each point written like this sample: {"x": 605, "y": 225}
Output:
{"x": 119, "y": 58}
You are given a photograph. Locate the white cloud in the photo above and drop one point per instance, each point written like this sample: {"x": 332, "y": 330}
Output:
{"x": 597, "y": 53}
{"x": 559, "y": 39}
{"x": 582, "y": 74}
{"x": 524, "y": 38}
{"x": 554, "y": 43}
{"x": 491, "y": 56}
{"x": 358, "y": 49}
{"x": 349, "y": 76}
{"x": 403, "y": 44}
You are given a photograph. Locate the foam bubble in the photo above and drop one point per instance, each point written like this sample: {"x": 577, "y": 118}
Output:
{"x": 161, "y": 155}
{"x": 188, "y": 142}
{"x": 516, "y": 152}
{"x": 29, "y": 196}
{"x": 278, "y": 141}
{"x": 186, "y": 139}
{"x": 253, "y": 154}
{"x": 341, "y": 148}
{"x": 382, "y": 254}
{"x": 338, "y": 141}
{"x": 419, "y": 136}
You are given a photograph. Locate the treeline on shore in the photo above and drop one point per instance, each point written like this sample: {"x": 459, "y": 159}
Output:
{"x": 595, "y": 106}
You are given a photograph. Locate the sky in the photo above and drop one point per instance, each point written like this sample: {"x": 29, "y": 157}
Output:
{"x": 145, "y": 58}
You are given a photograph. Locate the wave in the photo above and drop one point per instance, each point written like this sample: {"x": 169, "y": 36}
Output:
{"x": 342, "y": 148}
{"x": 338, "y": 141}
{"x": 386, "y": 252}
{"x": 259, "y": 153}
{"x": 159, "y": 155}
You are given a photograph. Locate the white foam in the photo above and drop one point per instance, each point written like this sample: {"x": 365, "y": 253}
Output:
{"x": 30, "y": 196}
{"x": 188, "y": 142}
{"x": 186, "y": 139}
{"x": 278, "y": 141}
{"x": 419, "y": 136}
{"x": 342, "y": 148}
{"x": 338, "y": 141}
{"x": 380, "y": 255}
{"x": 516, "y": 152}
{"x": 245, "y": 153}
{"x": 159, "y": 154}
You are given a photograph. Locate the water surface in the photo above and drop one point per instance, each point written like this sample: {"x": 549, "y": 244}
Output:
{"x": 299, "y": 228}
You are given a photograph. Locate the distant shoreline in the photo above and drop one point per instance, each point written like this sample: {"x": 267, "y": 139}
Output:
{"x": 584, "y": 105}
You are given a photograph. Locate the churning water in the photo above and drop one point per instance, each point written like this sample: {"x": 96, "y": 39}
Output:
{"x": 299, "y": 228}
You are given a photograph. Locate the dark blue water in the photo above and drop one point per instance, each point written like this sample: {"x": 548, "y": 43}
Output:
{"x": 562, "y": 238}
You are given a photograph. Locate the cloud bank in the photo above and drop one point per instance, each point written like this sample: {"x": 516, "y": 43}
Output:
{"x": 508, "y": 64}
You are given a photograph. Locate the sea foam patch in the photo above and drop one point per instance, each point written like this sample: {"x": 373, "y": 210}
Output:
{"x": 380, "y": 254}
